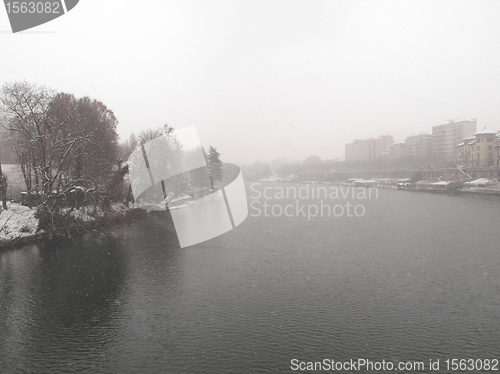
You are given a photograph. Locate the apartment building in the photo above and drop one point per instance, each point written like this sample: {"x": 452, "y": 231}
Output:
{"x": 368, "y": 149}
{"x": 497, "y": 148}
{"x": 446, "y": 137}
{"x": 398, "y": 150}
{"x": 419, "y": 146}
{"x": 478, "y": 150}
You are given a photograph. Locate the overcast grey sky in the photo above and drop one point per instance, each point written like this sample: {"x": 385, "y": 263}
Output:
{"x": 268, "y": 79}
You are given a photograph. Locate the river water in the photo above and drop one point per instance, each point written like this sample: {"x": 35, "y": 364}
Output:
{"x": 414, "y": 278}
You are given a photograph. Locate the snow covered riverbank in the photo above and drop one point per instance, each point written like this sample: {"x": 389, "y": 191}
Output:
{"x": 17, "y": 222}
{"x": 19, "y": 225}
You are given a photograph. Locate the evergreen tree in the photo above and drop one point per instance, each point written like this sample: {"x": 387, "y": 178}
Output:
{"x": 214, "y": 165}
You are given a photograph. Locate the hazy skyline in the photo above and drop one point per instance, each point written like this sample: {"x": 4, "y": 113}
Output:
{"x": 267, "y": 79}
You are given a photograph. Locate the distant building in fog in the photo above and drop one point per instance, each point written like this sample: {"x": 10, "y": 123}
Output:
{"x": 398, "y": 150}
{"x": 360, "y": 150}
{"x": 439, "y": 147}
{"x": 419, "y": 146}
{"x": 384, "y": 144}
{"x": 312, "y": 160}
{"x": 497, "y": 148}
{"x": 368, "y": 149}
{"x": 446, "y": 137}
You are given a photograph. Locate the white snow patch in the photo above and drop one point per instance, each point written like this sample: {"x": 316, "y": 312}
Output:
{"x": 17, "y": 221}
{"x": 81, "y": 215}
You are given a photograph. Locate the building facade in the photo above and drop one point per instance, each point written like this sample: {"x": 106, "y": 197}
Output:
{"x": 398, "y": 150}
{"x": 419, "y": 146}
{"x": 478, "y": 150}
{"x": 368, "y": 149}
{"x": 497, "y": 148}
{"x": 446, "y": 137}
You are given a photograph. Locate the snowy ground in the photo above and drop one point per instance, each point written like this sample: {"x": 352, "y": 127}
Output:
{"x": 18, "y": 221}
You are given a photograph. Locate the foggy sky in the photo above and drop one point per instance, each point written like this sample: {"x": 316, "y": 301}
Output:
{"x": 268, "y": 79}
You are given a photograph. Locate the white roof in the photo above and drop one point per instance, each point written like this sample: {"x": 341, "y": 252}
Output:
{"x": 456, "y": 120}
{"x": 485, "y": 132}
{"x": 423, "y": 182}
{"x": 478, "y": 181}
{"x": 442, "y": 183}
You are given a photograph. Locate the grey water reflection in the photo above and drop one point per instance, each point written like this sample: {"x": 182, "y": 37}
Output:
{"x": 71, "y": 306}
{"x": 58, "y": 301}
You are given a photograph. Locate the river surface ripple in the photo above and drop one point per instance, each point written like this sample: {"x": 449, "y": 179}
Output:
{"x": 416, "y": 278}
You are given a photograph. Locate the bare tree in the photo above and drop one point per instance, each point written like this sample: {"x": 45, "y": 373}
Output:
{"x": 163, "y": 153}
{"x": 3, "y": 188}
{"x": 67, "y": 147}
{"x": 3, "y": 177}
{"x": 24, "y": 110}
{"x": 150, "y": 133}
{"x": 126, "y": 147}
